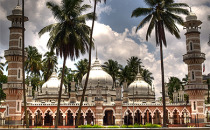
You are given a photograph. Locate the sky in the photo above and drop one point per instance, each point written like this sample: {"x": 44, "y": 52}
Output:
{"x": 115, "y": 35}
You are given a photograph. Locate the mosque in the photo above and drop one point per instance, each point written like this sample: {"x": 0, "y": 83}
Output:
{"x": 104, "y": 104}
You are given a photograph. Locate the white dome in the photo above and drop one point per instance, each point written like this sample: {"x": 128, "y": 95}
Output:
{"x": 52, "y": 86}
{"x": 98, "y": 76}
{"x": 139, "y": 86}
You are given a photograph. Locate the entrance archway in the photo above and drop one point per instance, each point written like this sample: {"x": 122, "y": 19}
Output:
{"x": 38, "y": 119}
{"x": 81, "y": 120}
{"x": 176, "y": 117}
{"x": 157, "y": 117}
{"x": 109, "y": 118}
{"x": 60, "y": 119}
{"x": 70, "y": 118}
{"x": 138, "y": 118}
{"x": 89, "y": 117}
{"x": 128, "y": 119}
{"x": 147, "y": 117}
{"x": 48, "y": 119}
{"x": 29, "y": 118}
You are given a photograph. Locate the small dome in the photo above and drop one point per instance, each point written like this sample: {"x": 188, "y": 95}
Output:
{"x": 98, "y": 76}
{"x": 191, "y": 16}
{"x": 139, "y": 86}
{"x": 17, "y": 10}
{"x": 52, "y": 85}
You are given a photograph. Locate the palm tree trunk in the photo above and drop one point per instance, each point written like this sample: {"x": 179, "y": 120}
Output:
{"x": 60, "y": 92}
{"x": 163, "y": 86}
{"x": 23, "y": 64}
{"x": 89, "y": 65}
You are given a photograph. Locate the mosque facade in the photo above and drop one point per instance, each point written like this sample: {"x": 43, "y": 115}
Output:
{"x": 104, "y": 104}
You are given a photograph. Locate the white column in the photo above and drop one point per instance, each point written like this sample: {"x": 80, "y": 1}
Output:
{"x": 64, "y": 123}
{"x": 142, "y": 121}
{"x": 32, "y": 121}
{"x": 73, "y": 121}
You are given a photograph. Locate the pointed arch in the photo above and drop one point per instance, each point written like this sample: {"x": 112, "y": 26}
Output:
{"x": 124, "y": 113}
{"x": 109, "y": 108}
{"x": 91, "y": 111}
{"x": 175, "y": 109}
{"x": 48, "y": 109}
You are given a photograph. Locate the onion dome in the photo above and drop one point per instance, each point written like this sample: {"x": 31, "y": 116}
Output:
{"x": 139, "y": 86}
{"x": 98, "y": 76}
{"x": 17, "y": 10}
{"x": 52, "y": 85}
{"x": 191, "y": 16}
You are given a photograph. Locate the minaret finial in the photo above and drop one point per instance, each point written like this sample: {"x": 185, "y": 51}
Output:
{"x": 190, "y": 9}
{"x": 18, "y": 3}
{"x": 138, "y": 68}
{"x": 96, "y": 53}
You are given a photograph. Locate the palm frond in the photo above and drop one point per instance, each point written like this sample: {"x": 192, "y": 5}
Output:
{"x": 144, "y": 21}
{"x": 178, "y": 11}
{"x": 141, "y": 11}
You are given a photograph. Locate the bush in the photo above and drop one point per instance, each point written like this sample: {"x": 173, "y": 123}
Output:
{"x": 113, "y": 127}
{"x": 90, "y": 126}
{"x": 147, "y": 125}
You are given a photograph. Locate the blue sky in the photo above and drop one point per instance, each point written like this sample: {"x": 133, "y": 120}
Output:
{"x": 114, "y": 35}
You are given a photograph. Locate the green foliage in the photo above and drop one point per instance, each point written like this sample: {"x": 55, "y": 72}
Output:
{"x": 173, "y": 84}
{"x": 82, "y": 69}
{"x": 3, "y": 79}
{"x": 90, "y": 126}
{"x": 113, "y": 126}
{"x": 147, "y": 125}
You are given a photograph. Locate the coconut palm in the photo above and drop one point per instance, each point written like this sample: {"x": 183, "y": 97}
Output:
{"x": 147, "y": 75}
{"x": 49, "y": 63}
{"x": 133, "y": 64}
{"x": 112, "y": 67}
{"x": 82, "y": 68}
{"x": 70, "y": 36}
{"x": 89, "y": 65}
{"x": 185, "y": 80}
{"x": 1, "y": 65}
{"x": 161, "y": 14}
{"x": 33, "y": 63}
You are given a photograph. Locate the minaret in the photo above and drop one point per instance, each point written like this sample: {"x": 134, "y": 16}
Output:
{"x": 13, "y": 89}
{"x": 194, "y": 59}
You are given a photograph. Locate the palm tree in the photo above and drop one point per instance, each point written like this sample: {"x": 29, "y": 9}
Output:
{"x": 147, "y": 75}
{"x": 89, "y": 65}
{"x": 161, "y": 14}
{"x": 133, "y": 64}
{"x": 1, "y": 66}
{"x": 33, "y": 63}
{"x": 49, "y": 63}
{"x": 185, "y": 80}
{"x": 70, "y": 36}
{"x": 124, "y": 75}
{"x": 112, "y": 67}
{"x": 173, "y": 84}
{"x": 82, "y": 69}
{"x": 66, "y": 73}
{"x": 23, "y": 64}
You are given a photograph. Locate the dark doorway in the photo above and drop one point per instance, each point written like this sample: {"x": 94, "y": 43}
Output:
{"x": 138, "y": 118}
{"x": 109, "y": 119}
{"x": 89, "y": 117}
{"x": 81, "y": 121}
{"x": 48, "y": 119}
{"x": 70, "y": 118}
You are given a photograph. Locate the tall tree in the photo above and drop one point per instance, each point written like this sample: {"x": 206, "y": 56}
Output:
{"x": 112, "y": 67}
{"x": 173, "y": 84}
{"x": 89, "y": 65}
{"x": 82, "y": 69}
{"x": 1, "y": 65}
{"x": 23, "y": 64}
{"x": 49, "y": 63}
{"x": 70, "y": 36}
{"x": 133, "y": 64}
{"x": 147, "y": 75}
{"x": 161, "y": 14}
{"x": 185, "y": 80}
{"x": 33, "y": 63}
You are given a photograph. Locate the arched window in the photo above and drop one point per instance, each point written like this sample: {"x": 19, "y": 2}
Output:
{"x": 18, "y": 73}
{"x": 20, "y": 42}
{"x": 194, "y": 106}
{"x": 191, "y": 46}
{"x": 18, "y": 106}
{"x": 193, "y": 75}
